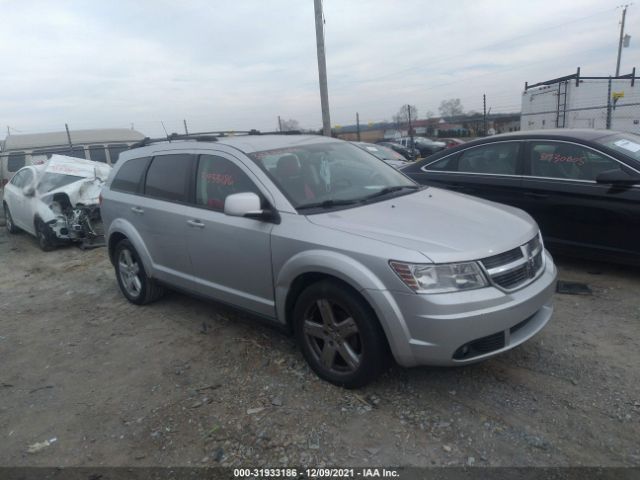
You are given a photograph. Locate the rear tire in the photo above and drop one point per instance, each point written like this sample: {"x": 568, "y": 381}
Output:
{"x": 339, "y": 335}
{"x": 43, "y": 234}
{"x": 11, "y": 227}
{"x": 132, "y": 278}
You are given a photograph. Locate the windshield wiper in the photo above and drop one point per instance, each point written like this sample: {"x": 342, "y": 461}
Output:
{"x": 387, "y": 190}
{"x": 328, "y": 204}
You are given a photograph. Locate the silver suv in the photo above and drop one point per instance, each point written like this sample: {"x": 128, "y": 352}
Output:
{"x": 326, "y": 240}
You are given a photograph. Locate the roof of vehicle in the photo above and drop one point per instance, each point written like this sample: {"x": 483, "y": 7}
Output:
{"x": 579, "y": 133}
{"x": 53, "y": 139}
{"x": 245, "y": 143}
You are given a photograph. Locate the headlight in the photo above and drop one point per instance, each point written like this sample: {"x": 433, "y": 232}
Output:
{"x": 451, "y": 277}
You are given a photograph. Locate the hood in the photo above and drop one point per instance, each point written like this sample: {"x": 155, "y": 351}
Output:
{"x": 444, "y": 226}
{"x": 91, "y": 177}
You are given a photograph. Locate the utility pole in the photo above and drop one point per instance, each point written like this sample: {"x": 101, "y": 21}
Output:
{"x": 410, "y": 128}
{"x": 484, "y": 115}
{"x": 322, "y": 69}
{"x": 186, "y": 131}
{"x": 66, "y": 126}
{"x": 624, "y": 14}
{"x": 279, "y": 124}
{"x": 358, "y": 124}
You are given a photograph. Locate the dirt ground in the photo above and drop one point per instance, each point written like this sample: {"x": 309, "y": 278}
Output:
{"x": 184, "y": 382}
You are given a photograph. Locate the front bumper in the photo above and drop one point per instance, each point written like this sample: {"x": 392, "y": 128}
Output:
{"x": 463, "y": 327}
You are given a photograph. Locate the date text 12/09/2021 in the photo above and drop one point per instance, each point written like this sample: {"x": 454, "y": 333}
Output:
{"x": 315, "y": 473}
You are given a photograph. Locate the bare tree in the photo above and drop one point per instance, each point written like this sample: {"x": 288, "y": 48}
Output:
{"x": 451, "y": 107}
{"x": 290, "y": 125}
{"x": 402, "y": 117}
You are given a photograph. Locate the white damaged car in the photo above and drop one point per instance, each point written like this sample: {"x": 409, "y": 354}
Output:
{"x": 57, "y": 201}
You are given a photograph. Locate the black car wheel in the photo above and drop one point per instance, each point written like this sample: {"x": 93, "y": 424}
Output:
{"x": 339, "y": 335}
{"x": 132, "y": 278}
{"x": 43, "y": 234}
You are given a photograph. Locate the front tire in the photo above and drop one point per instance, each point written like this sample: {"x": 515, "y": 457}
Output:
{"x": 132, "y": 278}
{"x": 43, "y": 234}
{"x": 339, "y": 335}
{"x": 8, "y": 219}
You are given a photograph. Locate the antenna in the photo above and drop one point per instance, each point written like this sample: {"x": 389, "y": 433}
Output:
{"x": 165, "y": 131}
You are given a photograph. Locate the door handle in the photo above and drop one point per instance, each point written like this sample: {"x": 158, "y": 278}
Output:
{"x": 536, "y": 195}
{"x": 137, "y": 210}
{"x": 195, "y": 223}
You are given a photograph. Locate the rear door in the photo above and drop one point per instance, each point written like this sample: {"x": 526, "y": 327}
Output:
{"x": 573, "y": 210}
{"x": 231, "y": 256}
{"x": 492, "y": 171}
{"x": 161, "y": 213}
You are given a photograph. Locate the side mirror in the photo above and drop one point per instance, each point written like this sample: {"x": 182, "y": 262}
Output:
{"x": 29, "y": 191}
{"x": 617, "y": 177}
{"x": 245, "y": 204}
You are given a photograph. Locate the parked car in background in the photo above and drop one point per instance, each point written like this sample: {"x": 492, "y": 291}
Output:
{"x": 383, "y": 153}
{"x": 451, "y": 142}
{"x": 581, "y": 186}
{"x": 407, "y": 153}
{"x": 57, "y": 202}
{"x": 100, "y": 145}
{"x": 321, "y": 238}
{"x": 425, "y": 146}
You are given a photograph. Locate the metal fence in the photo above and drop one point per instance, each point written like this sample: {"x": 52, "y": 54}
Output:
{"x": 583, "y": 102}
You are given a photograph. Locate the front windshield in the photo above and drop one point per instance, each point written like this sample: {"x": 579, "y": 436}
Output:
{"x": 329, "y": 172}
{"x": 51, "y": 181}
{"x": 625, "y": 143}
{"x": 383, "y": 153}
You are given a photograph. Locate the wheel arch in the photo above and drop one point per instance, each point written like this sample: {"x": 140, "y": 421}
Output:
{"x": 121, "y": 229}
{"x": 310, "y": 267}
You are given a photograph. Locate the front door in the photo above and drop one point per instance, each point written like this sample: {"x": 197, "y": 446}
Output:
{"x": 574, "y": 211}
{"x": 231, "y": 256}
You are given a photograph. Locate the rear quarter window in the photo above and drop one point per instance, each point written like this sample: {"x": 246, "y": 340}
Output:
{"x": 129, "y": 177}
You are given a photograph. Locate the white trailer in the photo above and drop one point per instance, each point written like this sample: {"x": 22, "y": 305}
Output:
{"x": 583, "y": 102}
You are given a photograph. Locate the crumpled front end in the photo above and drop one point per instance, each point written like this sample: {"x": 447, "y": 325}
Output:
{"x": 73, "y": 212}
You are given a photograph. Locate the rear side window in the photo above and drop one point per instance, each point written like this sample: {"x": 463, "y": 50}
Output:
{"x": 115, "y": 149}
{"x": 494, "y": 158}
{"x": 130, "y": 175}
{"x": 168, "y": 177}
{"x": 98, "y": 153}
{"x": 15, "y": 161}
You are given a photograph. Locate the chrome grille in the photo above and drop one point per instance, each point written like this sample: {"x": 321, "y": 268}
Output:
{"x": 502, "y": 258}
{"x": 515, "y": 268}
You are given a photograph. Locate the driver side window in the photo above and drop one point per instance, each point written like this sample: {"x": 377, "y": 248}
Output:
{"x": 568, "y": 161}
{"x": 218, "y": 178}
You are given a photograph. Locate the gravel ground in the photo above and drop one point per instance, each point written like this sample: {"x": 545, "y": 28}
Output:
{"x": 186, "y": 382}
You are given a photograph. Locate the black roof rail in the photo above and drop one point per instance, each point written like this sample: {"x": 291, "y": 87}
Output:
{"x": 207, "y": 136}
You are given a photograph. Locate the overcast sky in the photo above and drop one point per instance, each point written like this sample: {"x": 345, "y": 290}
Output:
{"x": 239, "y": 64}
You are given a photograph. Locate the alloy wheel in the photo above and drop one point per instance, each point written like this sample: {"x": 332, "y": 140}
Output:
{"x": 333, "y": 336}
{"x": 129, "y": 272}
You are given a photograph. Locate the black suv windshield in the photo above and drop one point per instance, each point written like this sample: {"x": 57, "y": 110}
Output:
{"x": 329, "y": 174}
